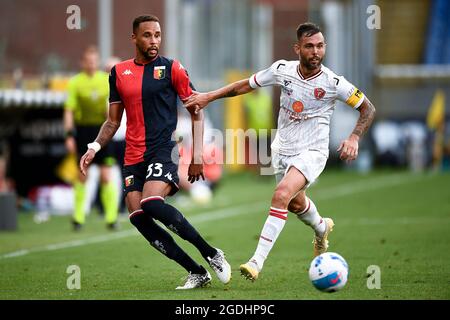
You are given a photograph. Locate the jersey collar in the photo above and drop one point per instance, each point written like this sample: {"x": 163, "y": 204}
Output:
{"x": 311, "y": 77}
{"x": 143, "y": 64}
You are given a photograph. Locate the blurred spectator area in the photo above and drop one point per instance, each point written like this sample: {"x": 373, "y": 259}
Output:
{"x": 210, "y": 37}
{"x": 400, "y": 66}
{"x": 31, "y": 129}
{"x": 35, "y": 38}
{"x": 412, "y": 57}
{"x": 411, "y": 65}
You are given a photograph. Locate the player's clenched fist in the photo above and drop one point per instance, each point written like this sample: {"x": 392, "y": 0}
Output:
{"x": 349, "y": 148}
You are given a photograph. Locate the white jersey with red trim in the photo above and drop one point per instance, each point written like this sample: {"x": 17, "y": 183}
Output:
{"x": 306, "y": 105}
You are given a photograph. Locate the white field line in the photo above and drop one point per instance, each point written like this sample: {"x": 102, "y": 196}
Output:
{"x": 325, "y": 194}
{"x": 204, "y": 217}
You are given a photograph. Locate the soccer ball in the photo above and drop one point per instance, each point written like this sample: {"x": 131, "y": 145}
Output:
{"x": 328, "y": 272}
{"x": 201, "y": 193}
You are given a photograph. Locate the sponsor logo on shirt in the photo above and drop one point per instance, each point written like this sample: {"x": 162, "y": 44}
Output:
{"x": 293, "y": 116}
{"x": 127, "y": 72}
{"x": 297, "y": 106}
{"x": 286, "y": 90}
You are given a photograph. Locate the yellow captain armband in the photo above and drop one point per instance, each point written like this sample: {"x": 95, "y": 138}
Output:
{"x": 355, "y": 99}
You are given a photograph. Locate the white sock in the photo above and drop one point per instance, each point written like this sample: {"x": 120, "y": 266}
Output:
{"x": 269, "y": 234}
{"x": 311, "y": 217}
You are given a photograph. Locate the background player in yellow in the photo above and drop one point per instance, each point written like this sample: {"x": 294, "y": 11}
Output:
{"x": 85, "y": 111}
{"x": 258, "y": 111}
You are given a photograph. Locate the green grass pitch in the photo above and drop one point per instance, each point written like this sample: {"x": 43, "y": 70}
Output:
{"x": 398, "y": 221}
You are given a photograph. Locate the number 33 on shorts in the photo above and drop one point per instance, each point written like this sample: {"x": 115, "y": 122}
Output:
{"x": 154, "y": 169}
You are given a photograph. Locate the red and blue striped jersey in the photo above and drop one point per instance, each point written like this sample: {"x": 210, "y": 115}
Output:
{"x": 149, "y": 94}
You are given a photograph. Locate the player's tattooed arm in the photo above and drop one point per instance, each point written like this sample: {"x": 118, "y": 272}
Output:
{"x": 234, "y": 89}
{"x": 106, "y": 133}
{"x": 231, "y": 93}
{"x": 366, "y": 116}
{"x": 200, "y": 100}
{"x": 111, "y": 125}
{"x": 349, "y": 147}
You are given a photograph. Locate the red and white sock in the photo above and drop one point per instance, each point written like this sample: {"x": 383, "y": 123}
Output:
{"x": 310, "y": 216}
{"x": 269, "y": 234}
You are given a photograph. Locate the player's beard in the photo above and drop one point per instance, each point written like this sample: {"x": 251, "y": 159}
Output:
{"x": 309, "y": 65}
{"x": 146, "y": 53}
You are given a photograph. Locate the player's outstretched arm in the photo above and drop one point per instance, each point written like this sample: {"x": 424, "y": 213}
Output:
{"x": 105, "y": 135}
{"x": 195, "y": 170}
{"x": 198, "y": 101}
{"x": 349, "y": 147}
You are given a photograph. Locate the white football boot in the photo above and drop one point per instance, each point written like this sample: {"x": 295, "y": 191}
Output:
{"x": 196, "y": 281}
{"x": 220, "y": 266}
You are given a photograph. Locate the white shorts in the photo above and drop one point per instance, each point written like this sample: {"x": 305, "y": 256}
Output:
{"x": 310, "y": 163}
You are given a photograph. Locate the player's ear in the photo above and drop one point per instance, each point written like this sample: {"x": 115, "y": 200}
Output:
{"x": 297, "y": 48}
{"x": 133, "y": 37}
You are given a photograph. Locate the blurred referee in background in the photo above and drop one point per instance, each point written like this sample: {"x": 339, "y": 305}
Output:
{"x": 85, "y": 111}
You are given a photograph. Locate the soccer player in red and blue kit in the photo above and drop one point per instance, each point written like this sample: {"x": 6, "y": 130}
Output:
{"x": 147, "y": 88}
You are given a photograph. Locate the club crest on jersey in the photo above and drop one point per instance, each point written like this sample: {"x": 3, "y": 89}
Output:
{"x": 319, "y": 93}
{"x": 129, "y": 181}
{"x": 297, "y": 106}
{"x": 159, "y": 72}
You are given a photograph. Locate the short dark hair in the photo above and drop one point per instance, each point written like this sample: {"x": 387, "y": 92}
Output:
{"x": 307, "y": 29}
{"x": 143, "y": 18}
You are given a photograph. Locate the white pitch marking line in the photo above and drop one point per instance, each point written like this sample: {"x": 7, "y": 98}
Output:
{"x": 325, "y": 194}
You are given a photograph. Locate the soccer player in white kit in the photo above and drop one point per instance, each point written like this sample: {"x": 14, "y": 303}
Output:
{"x": 309, "y": 92}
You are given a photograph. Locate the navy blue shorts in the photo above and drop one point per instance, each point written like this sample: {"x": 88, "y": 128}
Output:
{"x": 160, "y": 167}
